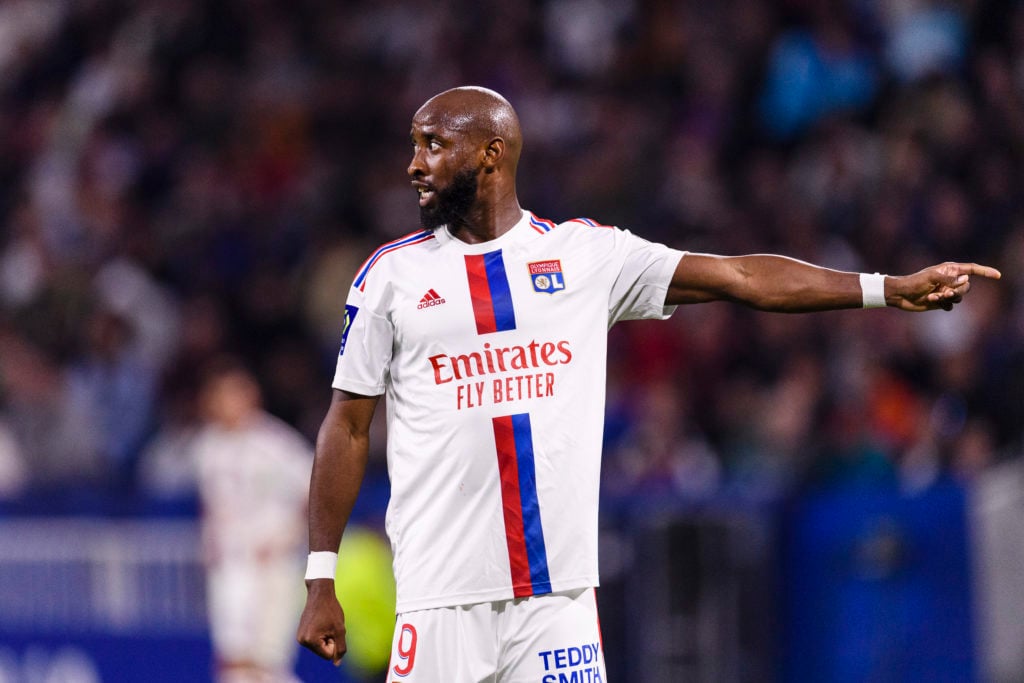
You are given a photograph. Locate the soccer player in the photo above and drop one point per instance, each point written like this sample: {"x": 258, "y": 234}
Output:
{"x": 487, "y": 331}
{"x": 252, "y": 471}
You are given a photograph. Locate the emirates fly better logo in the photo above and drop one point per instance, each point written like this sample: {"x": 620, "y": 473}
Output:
{"x": 495, "y": 374}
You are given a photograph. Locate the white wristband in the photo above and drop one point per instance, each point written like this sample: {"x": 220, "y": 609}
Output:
{"x": 320, "y": 565}
{"x": 872, "y": 288}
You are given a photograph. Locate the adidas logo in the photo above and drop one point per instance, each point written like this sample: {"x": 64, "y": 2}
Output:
{"x": 431, "y": 298}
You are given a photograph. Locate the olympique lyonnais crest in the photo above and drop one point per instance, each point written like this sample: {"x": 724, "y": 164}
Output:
{"x": 547, "y": 276}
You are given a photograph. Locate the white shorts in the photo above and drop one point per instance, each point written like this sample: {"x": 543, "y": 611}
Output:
{"x": 553, "y": 638}
{"x": 254, "y": 611}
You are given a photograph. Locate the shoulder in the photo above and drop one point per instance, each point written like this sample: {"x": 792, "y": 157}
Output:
{"x": 282, "y": 434}
{"x": 602, "y": 243}
{"x": 609, "y": 236}
{"x": 384, "y": 255}
{"x": 584, "y": 223}
{"x": 587, "y": 229}
{"x": 585, "y": 233}
{"x": 569, "y": 229}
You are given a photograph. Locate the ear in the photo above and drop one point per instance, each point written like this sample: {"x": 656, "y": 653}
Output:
{"x": 494, "y": 152}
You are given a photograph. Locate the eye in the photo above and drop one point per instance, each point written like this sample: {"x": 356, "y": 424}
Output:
{"x": 434, "y": 145}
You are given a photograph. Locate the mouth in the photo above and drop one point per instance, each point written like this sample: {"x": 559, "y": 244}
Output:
{"x": 425, "y": 192}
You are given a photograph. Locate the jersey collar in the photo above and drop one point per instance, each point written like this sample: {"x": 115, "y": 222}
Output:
{"x": 520, "y": 232}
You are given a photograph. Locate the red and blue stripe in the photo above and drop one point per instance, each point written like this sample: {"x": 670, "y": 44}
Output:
{"x": 490, "y": 293}
{"x": 541, "y": 225}
{"x": 589, "y": 222}
{"x": 410, "y": 239}
{"x": 524, "y": 533}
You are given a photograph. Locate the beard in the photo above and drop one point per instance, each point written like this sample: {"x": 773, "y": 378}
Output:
{"x": 452, "y": 203}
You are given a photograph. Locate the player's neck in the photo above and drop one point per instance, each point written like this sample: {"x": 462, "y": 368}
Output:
{"x": 487, "y": 221}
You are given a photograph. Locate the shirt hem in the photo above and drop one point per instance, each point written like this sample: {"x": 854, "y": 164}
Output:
{"x": 491, "y": 595}
{"x": 358, "y": 387}
{"x": 668, "y": 270}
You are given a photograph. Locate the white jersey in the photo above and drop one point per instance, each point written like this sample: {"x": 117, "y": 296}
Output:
{"x": 492, "y": 357}
{"x": 253, "y": 482}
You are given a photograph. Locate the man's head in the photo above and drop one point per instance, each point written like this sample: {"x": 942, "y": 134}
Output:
{"x": 229, "y": 395}
{"x": 466, "y": 144}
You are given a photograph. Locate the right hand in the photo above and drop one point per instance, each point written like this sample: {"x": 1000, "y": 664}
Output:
{"x": 939, "y": 286}
{"x": 322, "y": 626}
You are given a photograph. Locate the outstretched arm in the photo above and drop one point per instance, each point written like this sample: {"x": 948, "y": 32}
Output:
{"x": 341, "y": 451}
{"x": 778, "y": 283}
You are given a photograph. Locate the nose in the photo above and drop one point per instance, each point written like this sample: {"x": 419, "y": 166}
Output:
{"x": 416, "y": 167}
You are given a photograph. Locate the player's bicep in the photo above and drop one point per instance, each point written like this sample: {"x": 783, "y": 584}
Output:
{"x": 704, "y": 277}
{"x": 350, "y": 414}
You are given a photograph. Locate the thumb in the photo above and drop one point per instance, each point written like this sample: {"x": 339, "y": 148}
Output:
{"x": 950, "y": 275}
{"x": 328, "y": 648}
{"x": 332, "y": 651}
{"x": 945, "y": 281}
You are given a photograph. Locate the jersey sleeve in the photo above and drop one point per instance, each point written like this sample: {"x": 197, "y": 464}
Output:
{"x": 366, "y": 343}
{"x": 639, "y": 289}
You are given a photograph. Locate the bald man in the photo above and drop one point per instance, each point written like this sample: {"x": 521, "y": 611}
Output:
{"x": 487, "y": 331}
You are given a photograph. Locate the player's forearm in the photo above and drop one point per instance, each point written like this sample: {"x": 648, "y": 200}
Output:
{"x": 786, "y": 285}
{"x": 341, "y": 451}
{"x": 763, "y": 281}
{"x": 337, "y": 475}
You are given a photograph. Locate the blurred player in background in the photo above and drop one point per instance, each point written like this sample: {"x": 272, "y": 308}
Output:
{"x": 253, "y": 475}
{"x": 487, "y": 331}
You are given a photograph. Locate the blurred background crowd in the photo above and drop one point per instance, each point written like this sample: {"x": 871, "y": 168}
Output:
{"x": 181, "y": 178}
{"x": 184, "y": 179}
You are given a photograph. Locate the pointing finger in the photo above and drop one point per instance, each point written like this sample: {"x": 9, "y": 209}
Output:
{"x": 975, "y": 269}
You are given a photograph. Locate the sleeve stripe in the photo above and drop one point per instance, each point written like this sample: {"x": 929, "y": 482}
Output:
{"x": 541, "y": 225}
{"x": 589, "y": 222}
{"x": 413, "y": 238}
